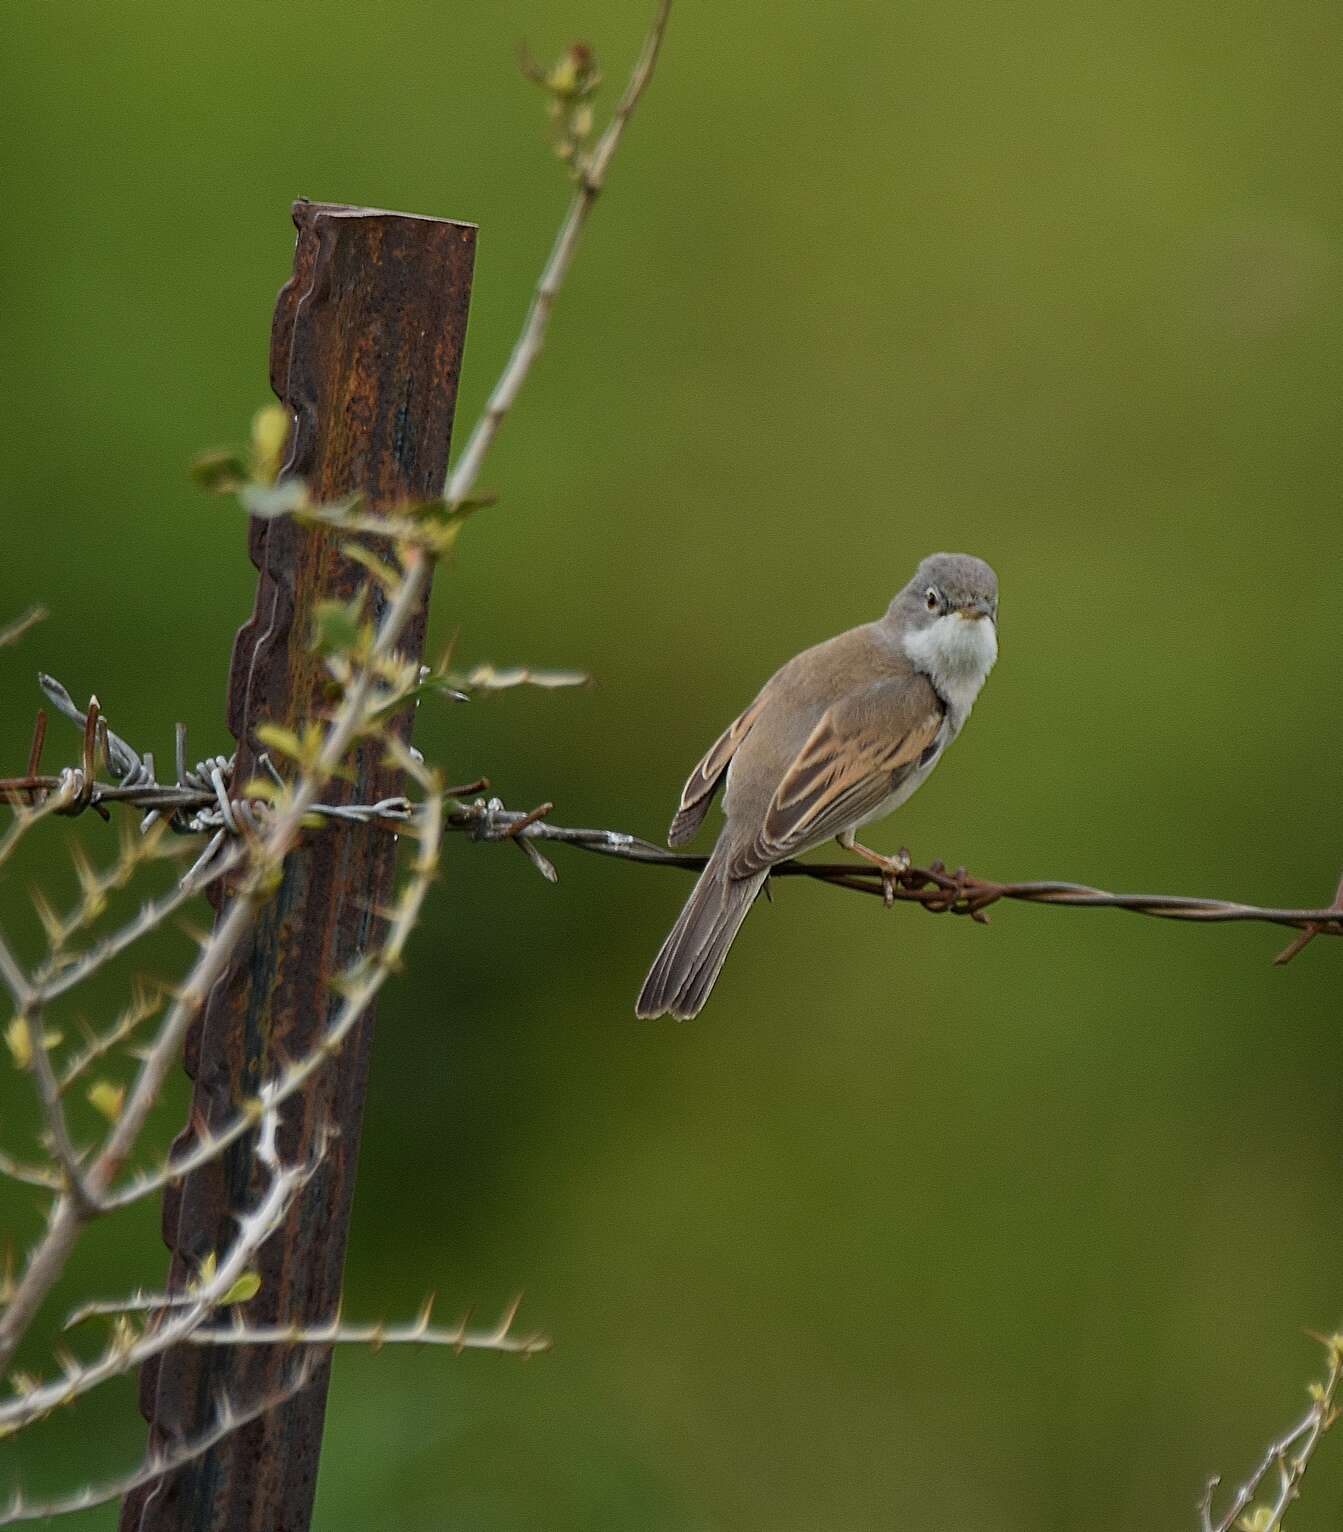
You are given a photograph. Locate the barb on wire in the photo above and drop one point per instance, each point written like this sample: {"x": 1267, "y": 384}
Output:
{"x": 202, "y": 800}
{"x": 934, "y": 887}
{"x": 199, "y": 801}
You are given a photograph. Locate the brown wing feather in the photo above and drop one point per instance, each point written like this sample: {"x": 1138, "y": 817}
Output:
{"x": 703, "y": 781}
{"x": 840, "y": 775}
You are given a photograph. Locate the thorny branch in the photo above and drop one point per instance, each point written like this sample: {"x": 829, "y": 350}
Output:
{"x": 419, "y": 1333}
{"x": 250, "y": 831}
{"x": 358, "y": 991}
{"x": 1290, "y": 1455}
{"x": 336, "y": 1332}
{"x": 158, "y": 1463}
{"x": 363, "y": 699}
{"x": 128, "y": 1351}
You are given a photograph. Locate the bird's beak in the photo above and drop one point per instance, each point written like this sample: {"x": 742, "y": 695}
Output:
{"x": 974, "y": 610}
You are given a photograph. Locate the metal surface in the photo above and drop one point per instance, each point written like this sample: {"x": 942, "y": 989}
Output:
{"x": 365, "y": 351}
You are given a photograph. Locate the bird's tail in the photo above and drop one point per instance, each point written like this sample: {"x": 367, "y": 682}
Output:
{"x": 680, "y": 980}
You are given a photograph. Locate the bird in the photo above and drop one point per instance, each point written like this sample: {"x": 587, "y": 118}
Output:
{"x": 839, "y": 736}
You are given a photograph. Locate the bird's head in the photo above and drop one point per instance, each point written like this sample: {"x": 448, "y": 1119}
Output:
{"x": 948, "y": 616}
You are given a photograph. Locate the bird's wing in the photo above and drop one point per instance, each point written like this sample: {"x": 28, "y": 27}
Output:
{"x": 703, "y": 781}
{"x": 857, "y": 755}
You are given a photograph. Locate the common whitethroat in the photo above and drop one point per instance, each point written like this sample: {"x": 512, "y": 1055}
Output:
{"x": 840, "y": 736}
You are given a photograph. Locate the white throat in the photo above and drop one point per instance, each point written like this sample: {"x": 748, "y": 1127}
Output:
{"x": 956, "y": 654}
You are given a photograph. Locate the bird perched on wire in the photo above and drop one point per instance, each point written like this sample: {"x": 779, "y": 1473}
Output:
{"x": 840, "y": 736}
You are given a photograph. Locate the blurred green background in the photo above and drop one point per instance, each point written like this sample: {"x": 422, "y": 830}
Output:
{"x": 919, "y": 1225}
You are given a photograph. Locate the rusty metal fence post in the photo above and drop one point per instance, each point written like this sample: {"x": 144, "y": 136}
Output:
{"x": 365, "y": 352}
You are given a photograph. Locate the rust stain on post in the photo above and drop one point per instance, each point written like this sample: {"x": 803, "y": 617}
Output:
{"x": 365, "y": 351}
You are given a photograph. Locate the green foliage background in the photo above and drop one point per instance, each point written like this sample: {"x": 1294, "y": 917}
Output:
{"x": 919, "y": 1225}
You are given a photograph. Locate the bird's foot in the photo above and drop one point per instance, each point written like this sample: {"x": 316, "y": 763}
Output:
{"x": 893, "y": 868}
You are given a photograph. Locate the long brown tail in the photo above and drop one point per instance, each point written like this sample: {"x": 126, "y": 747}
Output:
{"x": 680, "y": 980}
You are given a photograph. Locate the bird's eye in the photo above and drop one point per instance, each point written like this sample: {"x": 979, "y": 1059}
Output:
{"x": 930, "y": 596}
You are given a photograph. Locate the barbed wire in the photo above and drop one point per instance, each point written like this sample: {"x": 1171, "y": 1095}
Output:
{"x": 202, "y": 800}
{"x": 935, "y": 887}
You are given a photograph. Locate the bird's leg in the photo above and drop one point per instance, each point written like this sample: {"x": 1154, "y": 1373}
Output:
{"x": 892, "y": 867}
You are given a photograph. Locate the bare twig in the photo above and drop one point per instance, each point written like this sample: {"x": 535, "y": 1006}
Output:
{"x": 335, "y": 1332}
{"x": 49, "y": 1094}
{"x": 14, "y": 978}
{"x": 462, "y": 477}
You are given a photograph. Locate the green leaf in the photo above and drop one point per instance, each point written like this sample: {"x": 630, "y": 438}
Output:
{"x": 445, "y": 511}
{"x": 283, "y": 741}
{"x": 443, "y": 518}
{"x": 270, "y": 436}
{"x": 221, "y": 473}
{"x": 1259, "y": 1519}
{"x": 247, "y": 1286}
{"x": 106, "y": 1098}
{"x": 17, "y": 1041}
{"x": 431, "y": 686}
{"x": 336, "y": 625}
{"x": 380, "y": 569}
